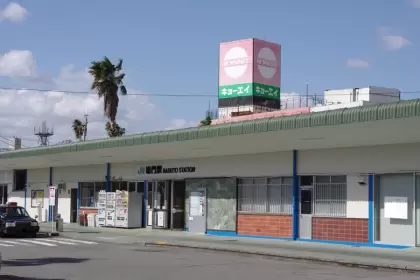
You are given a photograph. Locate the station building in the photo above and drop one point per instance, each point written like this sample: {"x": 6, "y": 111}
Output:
{"x": 348, "y": 176}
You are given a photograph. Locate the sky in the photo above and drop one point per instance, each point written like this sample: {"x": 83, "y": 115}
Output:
{"x": 171, "y": 47}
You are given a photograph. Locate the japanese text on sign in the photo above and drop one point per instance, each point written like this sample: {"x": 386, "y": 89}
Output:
{"x": 52, "y": 195}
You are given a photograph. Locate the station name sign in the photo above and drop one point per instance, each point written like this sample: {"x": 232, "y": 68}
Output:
{"x": 159, "y": 169}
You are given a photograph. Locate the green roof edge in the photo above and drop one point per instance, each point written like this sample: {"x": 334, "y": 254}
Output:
{"x": 402, "y": 109}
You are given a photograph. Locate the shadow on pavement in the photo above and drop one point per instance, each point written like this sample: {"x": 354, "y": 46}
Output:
{"x": 41, "y": 261}
{"x": 10, "y": 277}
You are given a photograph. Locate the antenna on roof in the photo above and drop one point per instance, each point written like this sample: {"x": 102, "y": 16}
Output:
{"x": 43, "y": 134}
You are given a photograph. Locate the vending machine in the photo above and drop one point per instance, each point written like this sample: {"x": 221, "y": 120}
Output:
{"x": 128, "y": 209}
{"x": 101, "y": 217}
{"x": 110, "y": 209}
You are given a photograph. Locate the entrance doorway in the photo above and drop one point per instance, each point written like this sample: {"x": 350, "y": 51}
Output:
{"x": 305, "y": 222}
{"x": 178, "y": 205}
{"x": 73, "y": 206}
{"x": 3, "y": 194}
{"x": 158, "y": 204}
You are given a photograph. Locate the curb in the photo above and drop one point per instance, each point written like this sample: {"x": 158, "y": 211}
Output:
{"x": 47, "y": 234}
{"x": 291, "y": 257}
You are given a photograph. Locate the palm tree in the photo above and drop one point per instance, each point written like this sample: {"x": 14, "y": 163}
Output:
{"x": 107, "y": 81}
{"x": 79, "y": 129}
{"x": 114, "y": 130}
{"x": 206, "y": 121}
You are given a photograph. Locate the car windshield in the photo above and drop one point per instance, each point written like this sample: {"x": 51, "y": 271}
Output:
{"x": 15, "y": 212}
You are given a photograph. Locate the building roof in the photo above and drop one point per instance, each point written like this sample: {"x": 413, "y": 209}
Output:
{"x": 402, "y": 109}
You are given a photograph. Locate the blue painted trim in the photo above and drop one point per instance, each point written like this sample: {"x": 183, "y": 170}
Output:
{"x": 78, "y": 199}
{"x": 108, "y": 178}
{"x": 295, "y": 198}
{"x": 221, "y": 233}
{"x": 50, "y": 183}
{"x": 356, "y": 244}
{"x": 346, "y": 243}
{"x": 371, "y": 209}
{"x": 234, "y": 234}
{"x": 145, "y": 194}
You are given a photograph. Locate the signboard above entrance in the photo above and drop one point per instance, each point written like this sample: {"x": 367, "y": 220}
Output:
{"x": 159, "y": 169}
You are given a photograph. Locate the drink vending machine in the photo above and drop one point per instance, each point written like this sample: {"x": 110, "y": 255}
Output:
{"x": 101, "y": 217}
{"x": 110, "y": 209}
{"x": 128, "y": 209}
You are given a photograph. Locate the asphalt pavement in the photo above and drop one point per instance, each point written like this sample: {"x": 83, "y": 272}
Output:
{"x": 403, "y": 259}
{"x": 73, "y": 259}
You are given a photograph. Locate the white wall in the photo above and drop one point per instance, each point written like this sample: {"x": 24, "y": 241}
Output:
{"x": 64, "y": 202}
{"x": 357, "y": 163}
{"x": 360, "y": 160}
{"x": 71, "y": 176}
{"x": 79, "y": 173}
{"x": 272, "y": 164}
{"x": 357, "y": 198}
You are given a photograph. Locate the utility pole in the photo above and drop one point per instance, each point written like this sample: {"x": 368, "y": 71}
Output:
{"x": 307, "y": 95}
{"x": 85, "y": 127}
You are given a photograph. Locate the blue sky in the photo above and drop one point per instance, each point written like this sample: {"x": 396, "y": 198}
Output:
{"x": 171, "y": 47}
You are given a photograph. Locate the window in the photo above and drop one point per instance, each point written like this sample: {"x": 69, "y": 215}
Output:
{"x": 330, "y": 196}
{"x": 89, "y": 193}
{"x": 265, "y": 195}
{"x": 119, "y": 186}
{"x": 20, "y": 180}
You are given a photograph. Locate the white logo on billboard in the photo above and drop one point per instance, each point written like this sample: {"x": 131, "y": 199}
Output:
{"x": 235, "y": 62}
{"x": 267, "y": 63}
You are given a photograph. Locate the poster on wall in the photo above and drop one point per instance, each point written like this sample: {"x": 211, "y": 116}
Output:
{"x": 396, "y": 207}
{"x": 197, "y": 203}
{"x": 37, "y": 197}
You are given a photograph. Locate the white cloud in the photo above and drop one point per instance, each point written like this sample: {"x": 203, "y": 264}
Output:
{"x": 415, "y": 4}
{"x": 357, "y": 63}
{"x": 13, "y": 12}
{"x": 22, "y": 110}
{"x": 395, "y": 42}
{"x": 18, "y": 64}
{"x": 392, "y": 41}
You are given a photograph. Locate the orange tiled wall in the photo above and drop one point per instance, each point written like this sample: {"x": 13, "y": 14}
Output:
{"x": 87, "y": 211}
{"x": 265, "y": 225}
{"x": 340, "y": 229}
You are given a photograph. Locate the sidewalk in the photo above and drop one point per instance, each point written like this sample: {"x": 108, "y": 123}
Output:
{"x": 405, "y": 259}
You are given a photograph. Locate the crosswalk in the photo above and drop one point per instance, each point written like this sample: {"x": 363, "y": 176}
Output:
{"x": 47, "y": 242}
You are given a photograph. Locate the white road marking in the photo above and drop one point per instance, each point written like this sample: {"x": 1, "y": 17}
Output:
{"x": 77, "y": 241}
{"x": 6, "y": 245}
{"x": 38, "y": 242}
{"x": 16, "y": 243}
{"x": 54, "y": 240}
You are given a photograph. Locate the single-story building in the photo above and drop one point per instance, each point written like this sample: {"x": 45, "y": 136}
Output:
{"x": 346, "y": 176}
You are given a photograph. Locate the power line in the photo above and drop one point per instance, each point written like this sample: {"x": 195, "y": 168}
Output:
{"x": 174, "y": 95}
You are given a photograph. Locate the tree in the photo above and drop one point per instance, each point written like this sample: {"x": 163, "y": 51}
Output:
{"x": 114, "y": 130}
{"x": 206, "y": 121}
{"x": 79, "y": 129}
{"x": 108, "y": 80}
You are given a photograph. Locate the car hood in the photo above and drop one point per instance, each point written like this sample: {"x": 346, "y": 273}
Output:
{"x": 18, "y": 219}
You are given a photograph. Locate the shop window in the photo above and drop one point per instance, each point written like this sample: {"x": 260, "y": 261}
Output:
{"x": 330, "y": 196}
{"x": 265, "y": 195}
{"x": 89, "y": 193}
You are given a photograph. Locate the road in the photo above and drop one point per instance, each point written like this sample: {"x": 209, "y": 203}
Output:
{"x": 52, "y": 258}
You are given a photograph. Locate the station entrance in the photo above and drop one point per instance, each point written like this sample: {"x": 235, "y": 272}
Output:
{"x": 166, "y": 204}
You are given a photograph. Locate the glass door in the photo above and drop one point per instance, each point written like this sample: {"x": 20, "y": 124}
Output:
{"x": 160, "y": 201}
{"x": 157, "y": 204}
